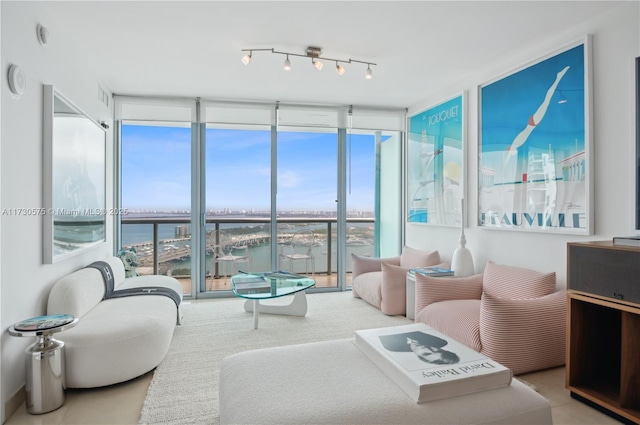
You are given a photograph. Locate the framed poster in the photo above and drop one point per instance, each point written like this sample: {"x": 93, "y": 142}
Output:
{"x": 435, "y": 160}
{"x": 535, "y": 165}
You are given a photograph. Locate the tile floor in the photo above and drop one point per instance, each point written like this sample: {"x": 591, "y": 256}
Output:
{"x": 121, "y": 404}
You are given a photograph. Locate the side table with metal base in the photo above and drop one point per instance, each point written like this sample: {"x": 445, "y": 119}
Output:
{"x": 45, "y": 380}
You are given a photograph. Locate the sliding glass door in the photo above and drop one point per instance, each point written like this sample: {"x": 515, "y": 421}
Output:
{"x": 156, "y": 198}
{"x": 238, "y": 202}
{"x": 306, "y": 202}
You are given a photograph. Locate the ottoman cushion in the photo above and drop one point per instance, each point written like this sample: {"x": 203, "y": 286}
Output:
{"x": 333, "y": 382}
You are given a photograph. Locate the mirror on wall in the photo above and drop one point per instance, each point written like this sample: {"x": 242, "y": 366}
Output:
{"x": 74, "y": 184}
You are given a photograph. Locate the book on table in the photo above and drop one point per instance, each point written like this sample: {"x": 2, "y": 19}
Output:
{"x": 279, "y": 274}
{"x": 627, "y": 240}
{"x": 432, "y": 271}
{"x": 249, "y": 279}
{"x": 413, "y": 355}
{"x": 251, "y": 285}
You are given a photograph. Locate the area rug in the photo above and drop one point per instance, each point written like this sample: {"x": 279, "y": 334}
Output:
{"x": 184, "y": 388}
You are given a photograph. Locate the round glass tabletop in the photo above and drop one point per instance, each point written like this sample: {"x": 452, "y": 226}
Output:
{"x": 42, "y": 325}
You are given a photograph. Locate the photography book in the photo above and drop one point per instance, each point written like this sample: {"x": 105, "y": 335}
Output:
{"x": 627, "y": 240}
{"x": 251, "y": 284}
{"x": 248, "y": 279}
{"x": 429, "y": 365}
{"x": 431, "y": 271}
{"x": 279, "y": 274}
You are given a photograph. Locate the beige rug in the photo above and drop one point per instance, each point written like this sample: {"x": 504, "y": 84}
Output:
{"x": 184, "y": 389}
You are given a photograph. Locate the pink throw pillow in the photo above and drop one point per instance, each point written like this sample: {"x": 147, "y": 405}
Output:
{"x": 515, "y": 282}
{"x": 361, "y": 264}
{"x": 434, "y": 289}
{"x": 394, "y": 290}
{"x": 524, "y": 334}
{"x": 412, "y": 257}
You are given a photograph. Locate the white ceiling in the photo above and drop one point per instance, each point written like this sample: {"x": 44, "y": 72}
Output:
{"x": 180, "y": 48}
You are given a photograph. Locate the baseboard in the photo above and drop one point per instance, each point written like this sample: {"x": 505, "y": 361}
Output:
{"x": 14, "y": 402}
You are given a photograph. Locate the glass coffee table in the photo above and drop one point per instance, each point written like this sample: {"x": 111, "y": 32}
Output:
{"x": 261, "y": 286}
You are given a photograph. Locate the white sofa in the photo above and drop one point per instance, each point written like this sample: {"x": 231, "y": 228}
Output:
{"x": 118, "y": 338}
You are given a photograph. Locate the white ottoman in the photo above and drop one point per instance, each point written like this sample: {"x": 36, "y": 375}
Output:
{"x": 333, "y": 382}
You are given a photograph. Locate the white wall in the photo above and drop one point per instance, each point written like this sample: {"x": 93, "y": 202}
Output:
{"x": 25, "y": 280}
{"x": 616, "y": 44}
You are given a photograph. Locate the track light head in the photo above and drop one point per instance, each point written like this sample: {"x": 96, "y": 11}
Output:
{"x": 340, "y": 69}
{"x": 368, "y": 74}
{"x": 246, "y": 58}
{"x": 317, "y": 64}
{"x": 287, "y": 64}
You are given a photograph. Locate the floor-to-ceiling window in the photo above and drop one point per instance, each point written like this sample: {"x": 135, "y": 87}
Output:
{"x": 238, "y": 203}
{"x": 155, "y": 189}
{"x": 307, "y": 191}
{"x": 236, "y": 175}
{"x": 306, "y": 201}
{"x": 229, "y": 170}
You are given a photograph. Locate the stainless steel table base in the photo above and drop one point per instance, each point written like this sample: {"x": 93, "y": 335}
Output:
{"x": 45, "y": 375}
{"x": 45, "y": 383}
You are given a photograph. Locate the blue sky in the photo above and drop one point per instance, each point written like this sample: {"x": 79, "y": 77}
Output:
{"x": 156, "y": 169}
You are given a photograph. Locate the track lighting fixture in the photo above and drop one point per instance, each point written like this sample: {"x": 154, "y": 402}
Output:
{"x": 315, "y": 54}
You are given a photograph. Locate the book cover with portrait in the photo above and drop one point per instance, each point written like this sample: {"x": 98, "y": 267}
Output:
{"x": 429, "y": 365}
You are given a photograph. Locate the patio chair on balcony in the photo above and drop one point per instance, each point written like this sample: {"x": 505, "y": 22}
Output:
{"x": 228, "y": 253}
{"x": 300, "y": 248}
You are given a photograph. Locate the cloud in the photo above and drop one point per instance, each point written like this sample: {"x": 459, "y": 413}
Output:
{"x": 288, "y": 179}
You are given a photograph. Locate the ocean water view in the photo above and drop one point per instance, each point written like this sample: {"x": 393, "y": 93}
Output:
{"x": 174, "y": 245}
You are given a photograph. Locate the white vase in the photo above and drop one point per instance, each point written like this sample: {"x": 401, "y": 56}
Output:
{"x": 462, "y": 261}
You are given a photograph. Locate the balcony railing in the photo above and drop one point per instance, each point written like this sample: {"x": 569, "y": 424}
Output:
{"x": 155, "y": 253}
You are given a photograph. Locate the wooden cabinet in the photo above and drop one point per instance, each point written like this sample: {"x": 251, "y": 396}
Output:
{"x": 603, "y": 352}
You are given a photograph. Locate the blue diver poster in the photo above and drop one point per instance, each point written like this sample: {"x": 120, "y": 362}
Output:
{"x": 534, "y": 172}
{"x": 435, "y": 183}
